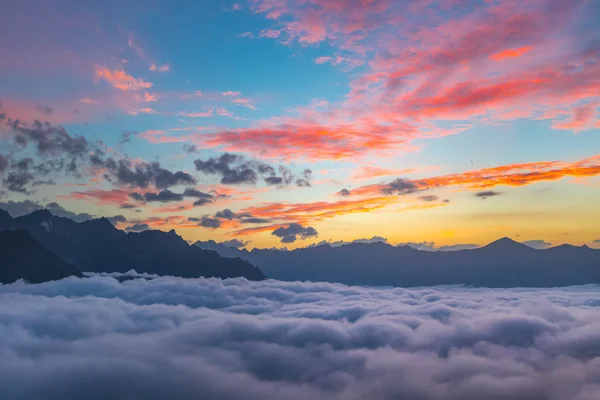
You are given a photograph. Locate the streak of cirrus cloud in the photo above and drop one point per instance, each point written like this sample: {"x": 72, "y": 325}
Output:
{"x": 96, "y": 337}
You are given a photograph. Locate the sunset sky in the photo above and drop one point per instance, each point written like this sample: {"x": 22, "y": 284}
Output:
{"x": 291, "y": 122}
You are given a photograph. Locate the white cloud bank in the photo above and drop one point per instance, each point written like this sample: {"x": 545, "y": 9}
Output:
{"x": 176, "y": 338}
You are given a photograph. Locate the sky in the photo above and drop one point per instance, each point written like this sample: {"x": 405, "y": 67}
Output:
{"x": 285, "y": 123}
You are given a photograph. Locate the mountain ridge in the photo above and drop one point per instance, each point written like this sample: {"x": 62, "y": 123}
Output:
{"x": 98, "y": 246}
{"x": 501, "y": 263}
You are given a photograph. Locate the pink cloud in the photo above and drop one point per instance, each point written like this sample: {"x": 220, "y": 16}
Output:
{"x": 510, "y": 53}
{"x": 230, "y": 93}
{"x": 163, "y": 68}
{"x": 119, "y": 79}
{"x": 150, "y": 97}
{"x": 86, "y": 100}
{"x": 145, "y": 110}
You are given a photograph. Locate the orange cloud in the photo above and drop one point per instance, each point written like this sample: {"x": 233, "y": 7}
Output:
{"x": 510, "y": 175}
{"x": 98, "y": 196}
{"x": 511, "y": 53}
{"x": 119, "y": 79}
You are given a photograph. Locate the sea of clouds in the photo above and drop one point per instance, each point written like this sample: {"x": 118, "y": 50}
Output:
{"x": 172, "y": 338}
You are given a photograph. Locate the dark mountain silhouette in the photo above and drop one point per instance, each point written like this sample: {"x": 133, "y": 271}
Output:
{"x": 503, "y": 263}
{"x": 97, "y": 246}
{"x": 23, "y": 257}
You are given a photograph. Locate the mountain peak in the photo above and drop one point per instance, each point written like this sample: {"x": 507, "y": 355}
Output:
{"x": 505, "y": 243}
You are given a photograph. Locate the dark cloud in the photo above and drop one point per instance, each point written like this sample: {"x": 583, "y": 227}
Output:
{"x": 43, "y": 182}
{"x": 43, "y": 108}
{"x": 400, "y": 186}
{"x": 210, "y": 339}
{"x": 116, "y": 219}
{"x": 127, "y": 135}
{"x": 137, "y": 228}
{"x": 202, "y": 202}
{"x": 344, "y": 192}
{"x": 429, "y": 198}
{"x": 143, "y": 175}
{"x": 274, "y": 180}
{"x": 4, "y": 163}
{"x": 235, "y": 243}
{"x": 252, "y": 220}
{"x": 49, "y": 140}
{"x": 537, "y": 244}
{"x": 291, "y": 233}
{"x": 18, "y": 181}
{"x": 136, "y": 196}
{"x": 203, "y": 198}
{"x": 18, "y": 208}
{"x": 235, "y": 169}
{"x": 225, "y": 214}
{"x": 190, "y": 148}
{"x": 127, "y": 206}
{"x": 225, "y": 166}
{"x": 211, "y": 223}
{"x": 190, "y": 192}
{"x": 488, "y": 193}
{"x": 163, "y": 196}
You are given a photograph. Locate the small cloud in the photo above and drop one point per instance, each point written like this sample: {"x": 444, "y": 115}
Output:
{"x": 145, "y": 110}
{"x": 119, "y": 79}
{"x": 344, "y": 192}
{"x": 270, "y": 33}
{"x": 236, "y": 243}
{"x": 163, "y": 68}
{"x": 537, "y": 244}
{"x": 230, "y": 93}
{"x": 488, "y": 193}
{"x": 429, "y": 198}
{"x": 190, "y": 148}
{"x": 86, "y": 100}
{"x": 149, "y": 97}
{"x": 43, "y": 108}
{"x": 137, "y": 228}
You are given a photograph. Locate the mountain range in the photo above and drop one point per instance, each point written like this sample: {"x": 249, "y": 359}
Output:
{"x": 503, "y": 263}
{"x": 38, "y": 241}
{"x": 98, "y": 246}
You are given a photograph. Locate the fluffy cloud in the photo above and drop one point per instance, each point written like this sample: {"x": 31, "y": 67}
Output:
{"x": 291, "y": 233}
{"x": 235, "y": 169}
{"x": 207, "y": 338}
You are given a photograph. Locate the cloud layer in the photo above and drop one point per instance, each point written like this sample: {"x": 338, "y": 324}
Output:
{"x": 232, "y": 339}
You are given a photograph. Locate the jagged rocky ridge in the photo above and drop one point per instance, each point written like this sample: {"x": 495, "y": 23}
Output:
{"x": 97, "y": 246}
